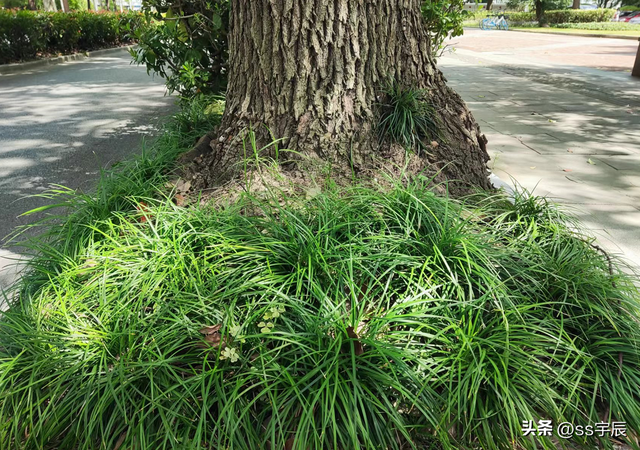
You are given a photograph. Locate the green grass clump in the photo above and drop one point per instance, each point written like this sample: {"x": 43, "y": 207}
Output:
{"x": 407, "y": 116}
{"x": 354, "y": 319}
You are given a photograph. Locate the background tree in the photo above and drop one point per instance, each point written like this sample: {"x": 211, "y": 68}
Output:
{"x": 539, "y": 4}
{"x": 311, "y": 74}
{"x": 630, "y": 4}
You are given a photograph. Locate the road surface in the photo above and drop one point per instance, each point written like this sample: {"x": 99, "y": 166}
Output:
{"x": 559, "y": 123}
{"x": 559, "y": 49}
{"x": 60, "y": 124}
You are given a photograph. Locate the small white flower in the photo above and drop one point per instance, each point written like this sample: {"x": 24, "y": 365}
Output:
{"x": 231, "y": 354}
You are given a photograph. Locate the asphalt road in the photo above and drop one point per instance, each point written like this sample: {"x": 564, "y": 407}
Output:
{"x": 61, "y": 124}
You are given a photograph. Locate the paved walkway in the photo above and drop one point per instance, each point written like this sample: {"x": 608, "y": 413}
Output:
{"x": 558, "y": 49}
{"x": 567, "y": 132}
{"x": 61, "y": 124}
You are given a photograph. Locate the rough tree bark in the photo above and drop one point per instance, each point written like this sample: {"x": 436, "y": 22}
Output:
{"x": 50, "y": 5}
{"x": 311, "y": 72}
{"x": 539, "y": 11}
{"x": 576, "y": 4}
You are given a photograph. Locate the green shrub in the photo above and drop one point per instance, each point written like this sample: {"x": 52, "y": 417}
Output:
{"x": 186, "y": 44}
{"x": 22, "y": 35}
{"x": 579, "y": 15}
{"x": 26, "y": 35}
{"x": 563, "y": 16}
{"x": 520, "y": 17}
{"x": 444, "y": 20}
{"x": 476, "y": 15}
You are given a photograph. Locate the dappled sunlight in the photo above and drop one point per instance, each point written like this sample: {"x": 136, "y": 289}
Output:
{"x": 47, "y": 114}
{"x": 12, "y": 165}
{"x": 61, "y": 124}
{"x": 569, "y": 133}
{"x": 11, "y": 264}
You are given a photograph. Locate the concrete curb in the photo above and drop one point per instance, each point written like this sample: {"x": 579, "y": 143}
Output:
{"x": 7, "y": 69}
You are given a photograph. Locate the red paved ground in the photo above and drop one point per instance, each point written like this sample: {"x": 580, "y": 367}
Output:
{"x": 601, "y": 53}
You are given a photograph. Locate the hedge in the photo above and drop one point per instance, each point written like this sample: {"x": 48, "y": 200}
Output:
{"x": 25, "y": 35}
{"x": 565, "y": 16}
{"x": 579, "y": 15}
{"x": 520, "y": 17}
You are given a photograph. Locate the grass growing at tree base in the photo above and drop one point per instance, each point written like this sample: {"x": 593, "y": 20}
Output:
{"x": 358, "y": 318}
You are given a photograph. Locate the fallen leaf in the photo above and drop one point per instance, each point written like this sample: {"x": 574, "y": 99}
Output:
{"x": 120, "y": 441}
{"x": 568, "y": 170}
{"x": 532, "y": 167}
{"x": 179, "y": 200}
{"x": 434, "y": 144}
{"x": 90, "y": 264}
{"x": 183, "y": 186}
{"x": 552, "y": 121}
{"x": 212, "y": 336}
{"x": 289, "y": 444}
{"x": 480, "y": 96}
{"x": 569, "y": 150}
{"x": 144, "y": 208}
{"x": 211, "y": 329}
{"x": 313, "y": 192}
{"x": 590, "y": 161}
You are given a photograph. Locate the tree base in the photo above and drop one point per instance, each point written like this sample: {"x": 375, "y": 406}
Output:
{"x": 312, "y": 76}
{"x": 221, "y": 166}
{"x": 458, "y": 160}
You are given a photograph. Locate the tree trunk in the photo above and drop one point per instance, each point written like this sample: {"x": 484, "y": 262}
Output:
{"x": 65, "y": 5}
{"x": 489, "y": 4}
{"x": 31, "y": 4}
{"x": 50, "y": 5}
{"x": 576, "y": 4}
{"x": 539, "y": 11}
{"x": 311, "y": 72}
